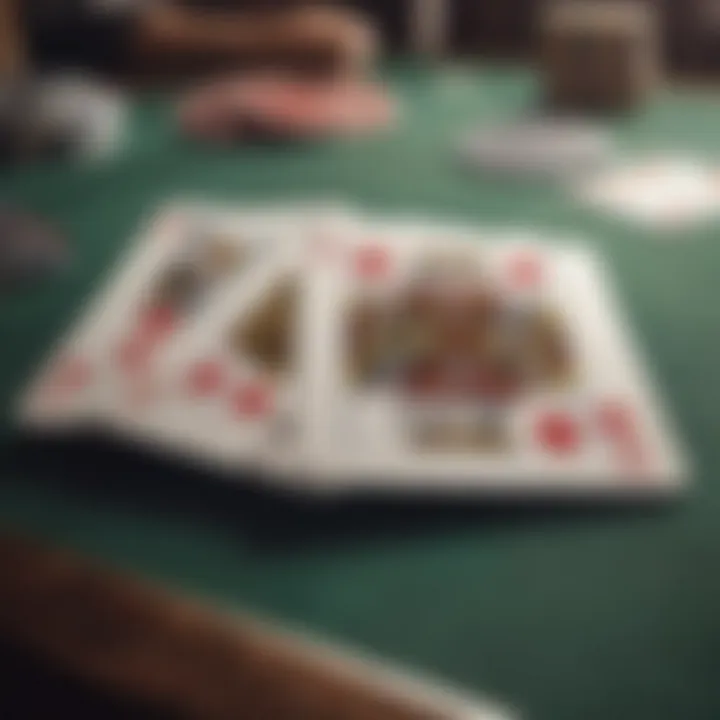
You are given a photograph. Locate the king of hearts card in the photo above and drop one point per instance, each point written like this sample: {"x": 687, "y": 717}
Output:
{"x": 449, "y": 359}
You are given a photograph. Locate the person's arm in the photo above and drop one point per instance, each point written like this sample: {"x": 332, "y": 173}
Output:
{"x": 12, "y": 42}
{"x": 334, "y": 38}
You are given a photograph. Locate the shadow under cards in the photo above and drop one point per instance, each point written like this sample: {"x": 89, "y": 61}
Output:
{"x": 275, "y": 520}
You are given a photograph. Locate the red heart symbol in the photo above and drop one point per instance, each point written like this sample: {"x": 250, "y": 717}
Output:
{"x": 617, "y": 421}
{"x": 205, "y": 377}
{"x": 254, "y": 400}
{"x": 526, "y": 270}
{"x": 372, "y": 262}
{"x": 133, "y": 354}
{"x": 615, "y": 418}
{"x": 558, "y": 432}
{"x": 156, "y": 322}
{"x": 71, "y": 374}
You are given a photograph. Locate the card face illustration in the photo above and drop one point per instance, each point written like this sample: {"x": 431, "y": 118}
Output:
{"x": 171, "y": 273}
{"x": 228, "y": 391}
{"x": 453, "y": 360}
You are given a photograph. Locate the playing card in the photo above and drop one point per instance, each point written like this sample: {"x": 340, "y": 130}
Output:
{"x": 185, "y": 256}
{"x": 227, "y": 391}
{"x": 457, "y": 360}
{"x": 663, "y": 192}
{"x": 67, "y": 388}
{"x": 539, "y": 147}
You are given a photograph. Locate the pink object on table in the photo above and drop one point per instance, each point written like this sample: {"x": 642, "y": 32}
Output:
{"x": 227, "y": 110}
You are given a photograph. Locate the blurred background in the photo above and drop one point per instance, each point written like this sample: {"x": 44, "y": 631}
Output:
{"x": 110, "y": 107}
{"x": 489, "y": 28}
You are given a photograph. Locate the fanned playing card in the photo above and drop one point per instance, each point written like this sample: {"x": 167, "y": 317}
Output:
{"x": 451, "y": 360}
{"x": 185, "y": 257}
{"x": 227, "y": 392}
{"x": 69, "y": 387}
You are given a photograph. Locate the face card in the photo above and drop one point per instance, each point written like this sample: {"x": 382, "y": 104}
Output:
{"x": 67, "y": 389}
{"x": 660, "y": 192}
{"x": 186, "y": 256}
{"x": 228, "y": 391}
{"x": 452, "y": 360}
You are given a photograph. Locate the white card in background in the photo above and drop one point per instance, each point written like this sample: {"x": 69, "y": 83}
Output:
{"x": 447, "y": 363}
{"x": 663, "y": 192}
{"x": 227, "y": 391}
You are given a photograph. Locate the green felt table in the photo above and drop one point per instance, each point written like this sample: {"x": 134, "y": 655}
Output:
{"x": 566, "y": 613}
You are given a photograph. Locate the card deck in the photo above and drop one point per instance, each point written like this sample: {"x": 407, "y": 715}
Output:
{"x": 336, "y": 353}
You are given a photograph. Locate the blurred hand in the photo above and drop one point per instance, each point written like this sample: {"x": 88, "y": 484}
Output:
{"x": 348, "y": 39}
{"x": 331, "y": 39}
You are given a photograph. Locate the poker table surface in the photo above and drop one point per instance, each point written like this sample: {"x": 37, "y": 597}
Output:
{"x": 562, "y": 610}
